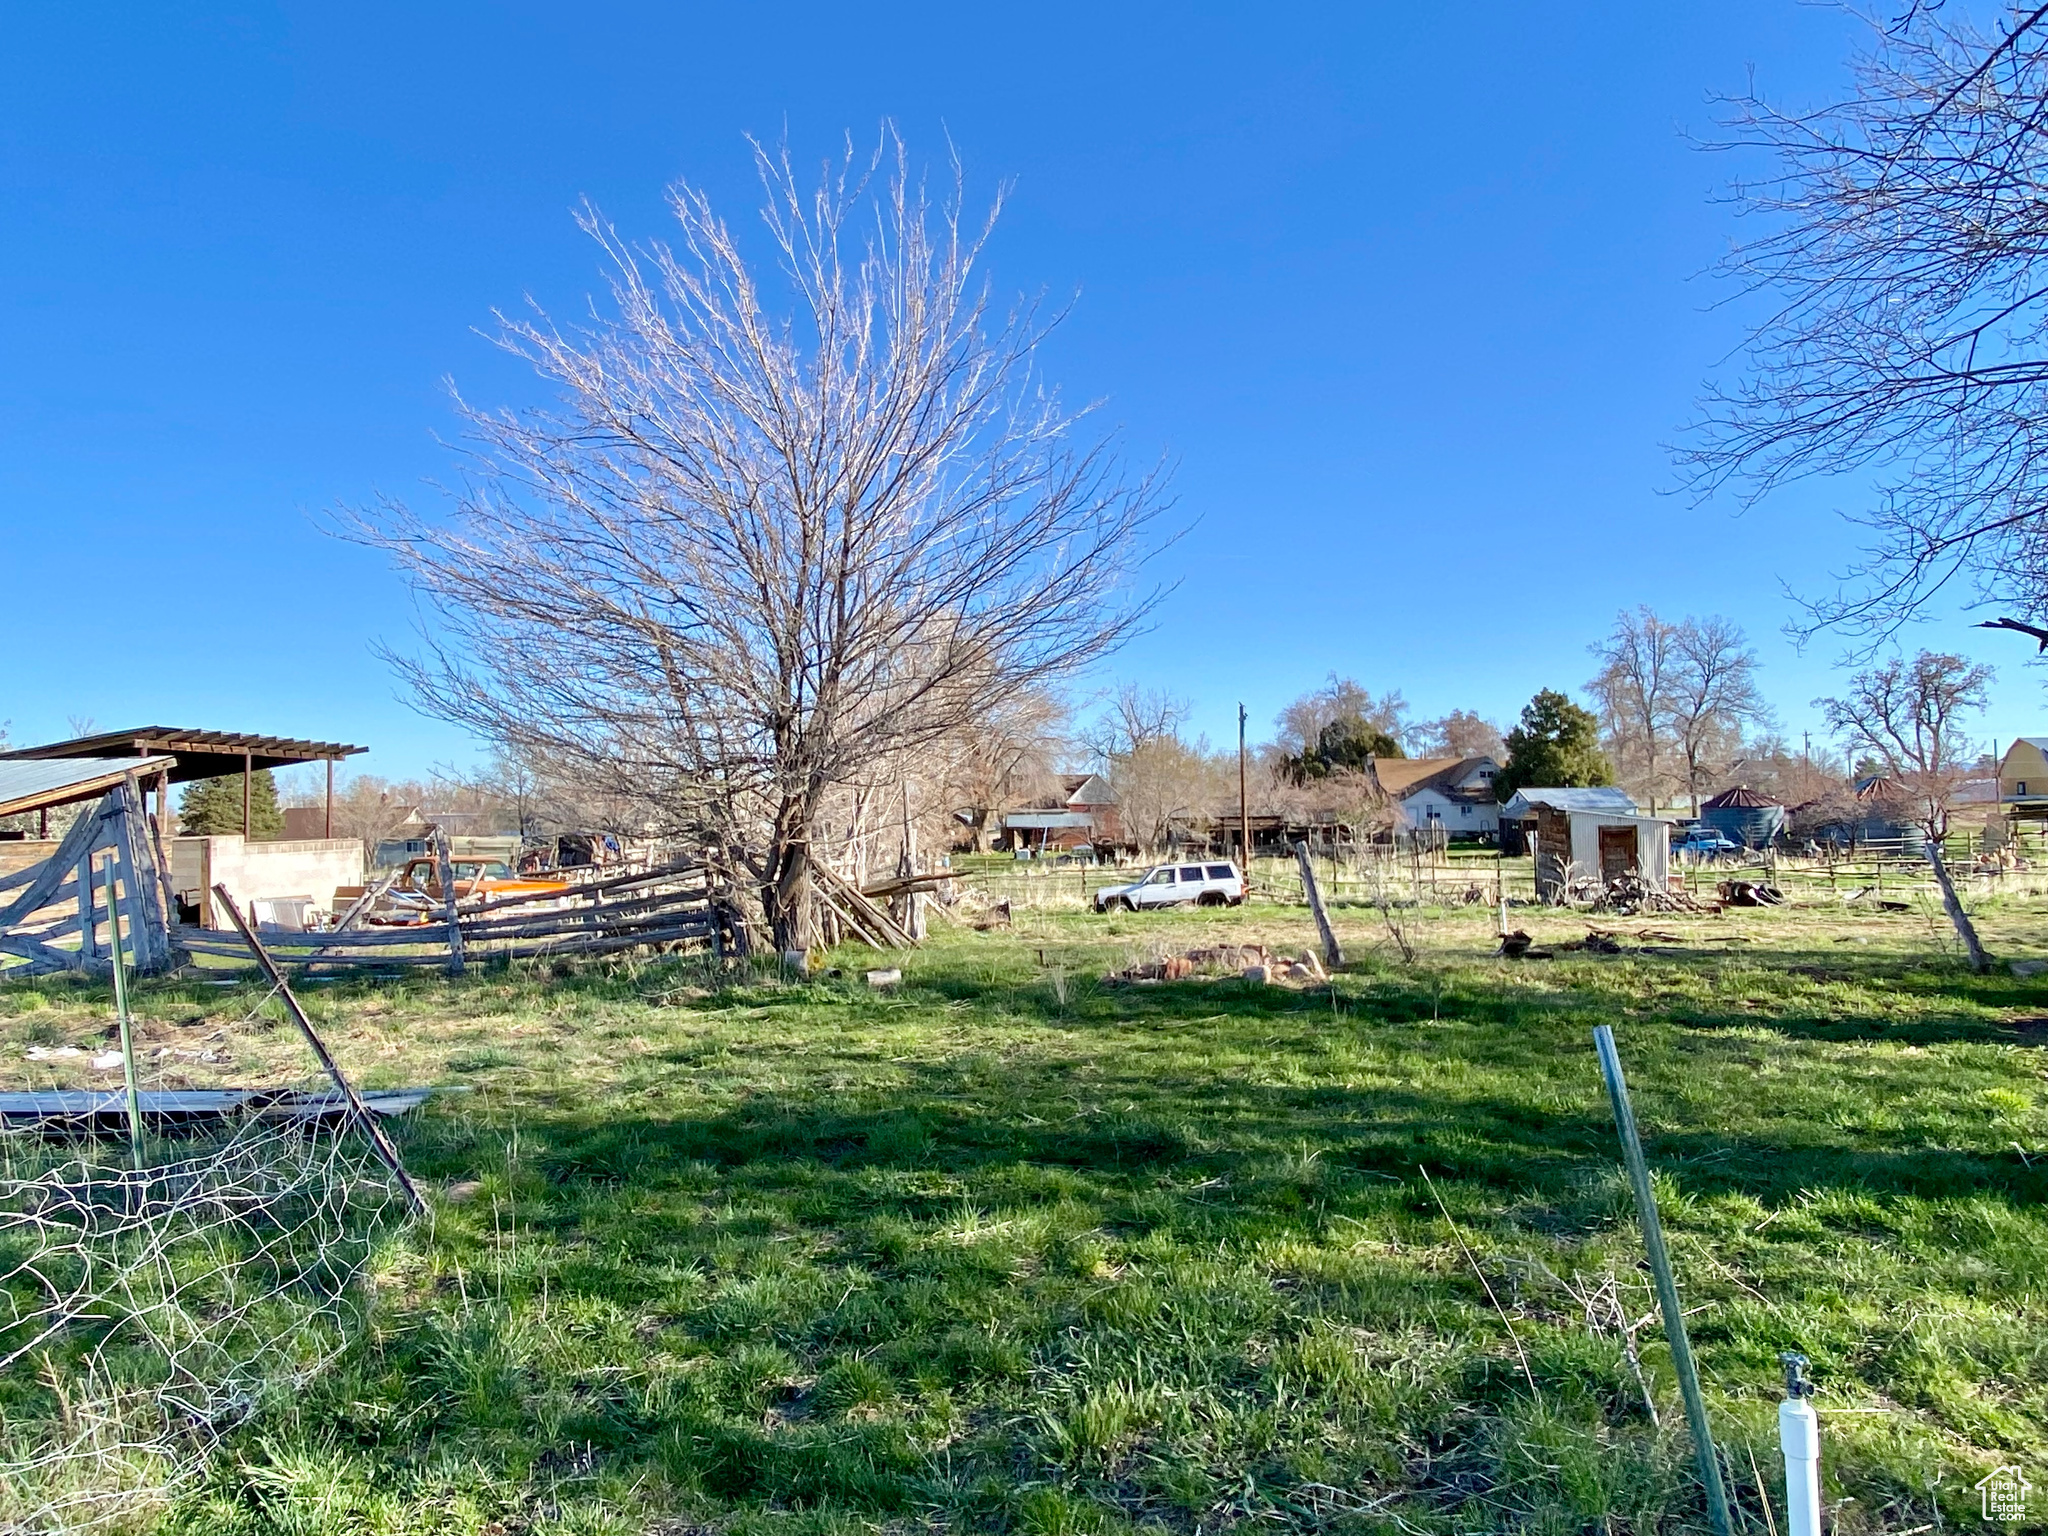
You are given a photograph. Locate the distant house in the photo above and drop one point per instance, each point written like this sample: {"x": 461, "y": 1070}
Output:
{"x": 1451, "y": 794}
{"x": 1082, "y": 816}
{"x": 1518, "y": 816}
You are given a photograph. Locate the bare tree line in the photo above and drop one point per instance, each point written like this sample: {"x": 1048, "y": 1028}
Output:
{"x": 1676, "y": 702}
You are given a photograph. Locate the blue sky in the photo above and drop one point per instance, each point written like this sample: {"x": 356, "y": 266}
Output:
{"x": 1411, "y": 297}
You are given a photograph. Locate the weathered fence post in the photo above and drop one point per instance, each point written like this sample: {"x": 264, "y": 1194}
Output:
{"x": 1333, "y": 952}
{"x": 121, "y": 1012}
{"x": 1667, "y": 1284}
{"x": 446, "y": 871}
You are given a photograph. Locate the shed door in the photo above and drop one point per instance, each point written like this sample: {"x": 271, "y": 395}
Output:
{"x": 1617, "y": 852}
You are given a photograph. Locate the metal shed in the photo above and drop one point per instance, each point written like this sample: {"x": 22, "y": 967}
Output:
{"x": 1744, "y": 816}
{"x": 42, "y": 786}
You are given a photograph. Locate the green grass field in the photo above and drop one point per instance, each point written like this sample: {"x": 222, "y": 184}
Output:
{"x": 1008, "y": 1249}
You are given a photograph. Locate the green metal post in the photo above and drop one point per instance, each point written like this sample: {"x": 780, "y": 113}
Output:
{"x": 1667, "y": 1286}
{"x": 127, "y": 1027}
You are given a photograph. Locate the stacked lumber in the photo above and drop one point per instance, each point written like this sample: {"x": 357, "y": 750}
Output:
{"x": 863, "y": 919}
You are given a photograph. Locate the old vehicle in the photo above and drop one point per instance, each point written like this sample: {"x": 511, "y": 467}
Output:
{"x": 1706, "y": 844}
{"x": 415, "y": 896}
{"x": 1208, "y": 884}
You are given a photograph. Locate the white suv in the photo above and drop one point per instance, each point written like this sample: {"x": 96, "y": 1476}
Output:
{"x": 1172, "y": 885}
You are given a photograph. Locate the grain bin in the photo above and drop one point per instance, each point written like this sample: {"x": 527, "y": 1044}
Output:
{"x": 1744, "y": 816}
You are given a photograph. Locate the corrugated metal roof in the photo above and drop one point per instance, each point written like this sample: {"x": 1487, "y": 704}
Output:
{"x": 1525, "y": 801}
{"x": 31, "y": 784}
{"x": 1739, "y": 798}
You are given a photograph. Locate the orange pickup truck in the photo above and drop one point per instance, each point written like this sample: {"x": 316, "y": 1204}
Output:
{"x": 415, "y": 896}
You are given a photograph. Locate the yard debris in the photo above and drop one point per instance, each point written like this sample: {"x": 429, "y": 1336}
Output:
{"x": 890, "y": 977}
{"x": 106, "y": 1109}
{"x": 1229, "y": 957}
{"x": 1750, "y": 893}
{"x": 1248, "y": 962}
{"x": 1171, "y": 968}
{"x": 2026, "y": 968}
{"x": 1519, "y": 946}
{"x": 1628, "y": 894}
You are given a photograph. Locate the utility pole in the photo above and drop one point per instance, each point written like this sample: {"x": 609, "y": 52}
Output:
{"x": 1244, "y": 819}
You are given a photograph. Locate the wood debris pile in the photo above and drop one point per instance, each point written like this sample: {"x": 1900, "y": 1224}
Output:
{"x": 1249, "y": 962}
{"x": 1750, "y": 893}
{"x": 1626, "y": 895}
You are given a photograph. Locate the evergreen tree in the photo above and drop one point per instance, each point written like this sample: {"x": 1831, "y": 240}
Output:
{"x": 1343, "y": 744}
{"x": 1556, "y": 746}
{"x": 211, "y": 807}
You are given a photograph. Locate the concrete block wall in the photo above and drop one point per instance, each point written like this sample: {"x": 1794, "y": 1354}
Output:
{"x": 311, "y": 867}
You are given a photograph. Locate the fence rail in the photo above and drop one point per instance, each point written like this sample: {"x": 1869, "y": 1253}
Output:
{"x": 670, "y": 906}
{"x": 1891, "y": 868}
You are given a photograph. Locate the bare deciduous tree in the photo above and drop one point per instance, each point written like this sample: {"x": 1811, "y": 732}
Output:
{"x": 1164, "y": 783}
{"x": 1770, "y": 765}
{"x": 1133, "y": 716}
{"x": 1909, "y": 715}
{"x": 1674, "y": 700}
{"x": 1904, "y": 261}
{"x": 1300, "y": 724}
{"x": 1634, "y": 691}
{"x": 1461, "y": 733}
{"x": 1714, "y": 698}
{"x": 1008, "y": 756}
{"x": 749, "y": 554}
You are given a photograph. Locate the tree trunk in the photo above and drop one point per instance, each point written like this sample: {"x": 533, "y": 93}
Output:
{"x": 1979, "y": 960}
{"x": 786, "y": 897}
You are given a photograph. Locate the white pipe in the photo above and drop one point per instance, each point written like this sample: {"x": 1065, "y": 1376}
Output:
{"x": 1799, "y": 1436}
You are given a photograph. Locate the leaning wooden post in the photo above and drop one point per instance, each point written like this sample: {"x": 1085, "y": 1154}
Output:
{"x": 1333, "y": 952}
{"x": 446, "y": 871}
{"x": 127, "y": 1025}
{"x": 360, "y": 1111}
{"x": 88, "y": 917}
{"x": 1667, "y": 1285}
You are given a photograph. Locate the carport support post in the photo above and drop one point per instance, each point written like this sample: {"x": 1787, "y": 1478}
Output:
{"x": 329, "y": 833}
{"x": 1667, "y": 1286}
{"x": 248, "y": 778}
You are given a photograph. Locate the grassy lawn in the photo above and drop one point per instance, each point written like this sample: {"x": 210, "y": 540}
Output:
{"x": 1010, "y": 1249}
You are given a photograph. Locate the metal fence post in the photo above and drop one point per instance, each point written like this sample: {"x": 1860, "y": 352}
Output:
{"x": 1667, "y": 1285}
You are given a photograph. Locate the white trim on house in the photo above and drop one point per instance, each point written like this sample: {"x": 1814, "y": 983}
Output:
{"x": 1458, "y": 815}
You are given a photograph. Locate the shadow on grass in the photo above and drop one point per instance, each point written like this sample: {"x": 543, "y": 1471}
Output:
{"x": 1243, "y": 1144}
